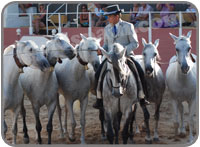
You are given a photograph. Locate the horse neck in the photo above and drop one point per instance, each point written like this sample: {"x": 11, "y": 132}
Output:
{"x": 11, "y": 70}
{"x": 78, "y": 69}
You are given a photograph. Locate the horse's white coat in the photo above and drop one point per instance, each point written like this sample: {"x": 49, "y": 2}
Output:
{"x": 181, "y": 80}
{"x": 42, "y": 87}
{"x": 74, "y": 81}
{"x": 29, "y": 54}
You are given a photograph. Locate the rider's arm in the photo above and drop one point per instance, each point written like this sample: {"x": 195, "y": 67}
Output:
{"x": 132, "y": 36}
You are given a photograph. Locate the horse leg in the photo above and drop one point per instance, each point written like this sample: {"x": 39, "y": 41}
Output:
{"x": 38, "y": 126}
{"x": 146, "y": 121}
{"x": 5, "y": 128}
{"x": 116, "y": 127}
{"x": 137, "y": 130}
{"x": 125, "y": 132}
{"x": 51, "y": 109}
{"x": 102, "y": 119}
{"x": 192, "y": 108}
{"x": 156, "y": 117}
{"x": 132, "y": 120}
{"x": 176, "y": 122}
{"x": 109, "y": 133}
{"x": 73, "y": 122}
{"x": 25, "y": 130}
{"x": 65, "y": 118}
{"x": 14, "y": 126}
{"x": 182, "y": 128}
{"x": 59, "y": 111}
{"x": 84, "y": 103}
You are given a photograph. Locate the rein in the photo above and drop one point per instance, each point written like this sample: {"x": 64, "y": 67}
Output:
{"x": 18, "y": 63}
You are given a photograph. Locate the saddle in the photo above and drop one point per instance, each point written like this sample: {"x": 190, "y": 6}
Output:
{"x": 135, "y": 68}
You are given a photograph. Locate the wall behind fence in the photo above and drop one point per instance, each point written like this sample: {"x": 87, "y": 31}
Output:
{"x": 166, "y": 46}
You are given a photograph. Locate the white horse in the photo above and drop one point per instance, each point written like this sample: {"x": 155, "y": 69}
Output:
{"x": 26, "y": 53}
{"x": 154, "y": 78}
{"x": 181, "y": 79}
{"x": 119, "y": 93}
{"x": 42, "y": 87}
{"x": 74, "y": 81}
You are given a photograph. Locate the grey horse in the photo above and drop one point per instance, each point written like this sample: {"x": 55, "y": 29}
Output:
{"x": 118, "y": 79}
{"x": 74, "y": 80}
{"x": 154, "y": 78}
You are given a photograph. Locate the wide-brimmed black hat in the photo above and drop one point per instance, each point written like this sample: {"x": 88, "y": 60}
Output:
{"x": 113, "y": 9}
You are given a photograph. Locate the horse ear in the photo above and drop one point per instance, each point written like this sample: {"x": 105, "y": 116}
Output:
{"x": 173, "y": 37}
{"x": 156, "y": 43}
{"x": 122, "y": 53}
{"x": 21, "y": 43}
{"x": 83, "y": 37}
{"x": 106, "y": 54}
{"x": 144, "y": 42}
{"x": 189, "y": 34}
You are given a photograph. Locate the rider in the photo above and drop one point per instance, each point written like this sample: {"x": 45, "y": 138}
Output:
{"x": 119, "y": 31}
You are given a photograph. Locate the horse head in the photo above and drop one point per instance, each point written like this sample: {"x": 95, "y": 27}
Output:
{"x": 117, "y": 68}
{"x": 29, "y": 54}
{"x": 59, "y": 48}
{"x": 150, "y": 55}
{"x": 183, "y": 51}
{"x": 87, "y": 51}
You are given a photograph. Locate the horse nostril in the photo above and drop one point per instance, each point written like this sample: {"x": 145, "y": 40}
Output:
{"x": 149, "y": 69}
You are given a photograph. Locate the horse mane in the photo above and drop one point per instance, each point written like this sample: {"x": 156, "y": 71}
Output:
{"x": 8, "y": 49}
{"x": 61, "y": 35}
{"x": 182, "y": 38}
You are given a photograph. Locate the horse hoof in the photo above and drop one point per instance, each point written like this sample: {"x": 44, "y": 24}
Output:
{"x": 72, "y": 139}
{"x": 156, "y": 139}
{"x": 26, "y": 140}
{"x": 103, "y": 137}
{"x": 62, "y": 136}
{"x": 182, "y": 135}
{"x": 148, "y": 141}
{"x": 131, "y": 141}
{"x": 39, "y": 141}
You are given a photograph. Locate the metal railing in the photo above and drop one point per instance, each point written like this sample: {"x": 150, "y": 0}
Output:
{"x": 150, "y": 20}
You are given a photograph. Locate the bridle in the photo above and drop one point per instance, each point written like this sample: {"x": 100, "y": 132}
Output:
{"x": 116, "y": 74}
{"x": 18, "y": 63}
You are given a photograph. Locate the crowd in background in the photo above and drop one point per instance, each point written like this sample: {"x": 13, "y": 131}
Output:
{"x": 139, "y": 15}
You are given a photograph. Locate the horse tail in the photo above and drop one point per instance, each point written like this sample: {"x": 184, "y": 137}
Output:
{"x": 76, "y": 106}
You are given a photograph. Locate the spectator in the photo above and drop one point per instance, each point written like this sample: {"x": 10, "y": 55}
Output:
{"x": 133, "y": 15}
{"x": 190, "y": 18}
{"x": 142, "y": 16}
{"x": 103, "y": 20}
{"x": 84, "y": 18}
{"x": 96, "y": 15}
{"x": 40, "y": 21}
{"x": 167, "y": 19}
{"x": 26, "y": 8}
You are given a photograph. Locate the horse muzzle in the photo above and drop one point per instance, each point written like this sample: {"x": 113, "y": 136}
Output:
{"x": 44, "y": 65}
{"x": 70, "y": 53}
{"x": 185, "y": 68}
{"x": 149, "y": 70}
{"x": 117, "y": 91}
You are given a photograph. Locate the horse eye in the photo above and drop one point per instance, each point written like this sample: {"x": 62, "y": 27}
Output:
{"x": 177, "y": 49}
{"x": 31, "y": 49}
{"x": 189, "y": 49}
{"x": 155, "y": 54}
{"x": 144, "y": 54}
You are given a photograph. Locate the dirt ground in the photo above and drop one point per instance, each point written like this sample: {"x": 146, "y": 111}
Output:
{"x": 93, "y": 131}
